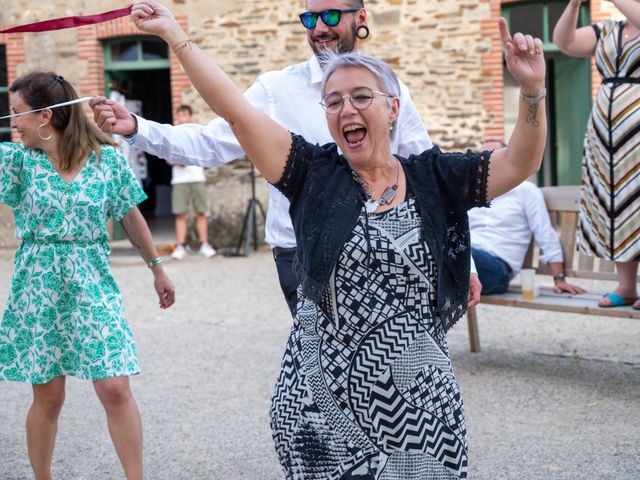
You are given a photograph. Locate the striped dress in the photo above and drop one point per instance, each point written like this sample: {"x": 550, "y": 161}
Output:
{"x": 610, "y": 204}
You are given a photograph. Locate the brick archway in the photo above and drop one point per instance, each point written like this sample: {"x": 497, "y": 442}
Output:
{"x": 90, "y": 49}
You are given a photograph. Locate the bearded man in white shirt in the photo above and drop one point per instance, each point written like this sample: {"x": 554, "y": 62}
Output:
{"x": 500, "y": 237}
{"x": 291, "y": 97}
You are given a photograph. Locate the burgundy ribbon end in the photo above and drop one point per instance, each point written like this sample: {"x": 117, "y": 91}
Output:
{"x": 69, "y": 22}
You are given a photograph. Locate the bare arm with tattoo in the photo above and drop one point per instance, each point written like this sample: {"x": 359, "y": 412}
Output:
{"x": 137, "y": 230}
{"x": 521, "y": 158}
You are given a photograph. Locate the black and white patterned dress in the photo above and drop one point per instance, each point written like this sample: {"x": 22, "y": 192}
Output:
{"x": 366, "y": 389}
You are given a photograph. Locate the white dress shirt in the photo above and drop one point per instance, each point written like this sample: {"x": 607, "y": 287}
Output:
{"x": 504, "y": 230}
{"x": 291, "y": 97}
{"x": 187, "y": 174}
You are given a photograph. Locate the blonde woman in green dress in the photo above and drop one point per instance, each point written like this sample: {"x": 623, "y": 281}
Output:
{"x": 64, "y": 315}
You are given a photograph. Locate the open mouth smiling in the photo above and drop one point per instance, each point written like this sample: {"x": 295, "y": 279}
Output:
{"x": 354, "y": 134}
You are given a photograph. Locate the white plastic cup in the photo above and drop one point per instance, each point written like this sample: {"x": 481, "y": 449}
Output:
{"x": 527, "y": 280}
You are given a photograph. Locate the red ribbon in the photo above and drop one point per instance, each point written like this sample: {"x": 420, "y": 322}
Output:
{"x": 69, "y": 22}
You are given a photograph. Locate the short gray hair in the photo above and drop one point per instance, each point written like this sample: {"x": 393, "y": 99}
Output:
{"x": 385, "y": 75}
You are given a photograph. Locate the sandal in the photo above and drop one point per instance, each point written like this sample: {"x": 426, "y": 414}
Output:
{"x": 617, "y": 301}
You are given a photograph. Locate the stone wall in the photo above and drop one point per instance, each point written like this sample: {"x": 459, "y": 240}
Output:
{"x": 229, "y": 193}
{"x": 446, "y": 51}
{"x": 435, "y": 47}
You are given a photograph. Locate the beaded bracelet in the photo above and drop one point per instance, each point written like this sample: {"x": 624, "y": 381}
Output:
{"x": 154, "y": 262}
{"x": 533, "y": 100}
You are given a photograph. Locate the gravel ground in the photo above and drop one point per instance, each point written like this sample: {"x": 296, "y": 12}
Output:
{"x": 551, "y": 396}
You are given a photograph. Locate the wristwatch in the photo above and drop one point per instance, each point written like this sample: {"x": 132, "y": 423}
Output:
{"x": 560, "y": 276}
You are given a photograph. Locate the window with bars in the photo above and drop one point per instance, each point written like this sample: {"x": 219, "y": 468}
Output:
{"x": 5, "y": 130}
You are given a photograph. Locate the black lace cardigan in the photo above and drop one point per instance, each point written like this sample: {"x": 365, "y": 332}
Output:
{"x": 326, "y": 202}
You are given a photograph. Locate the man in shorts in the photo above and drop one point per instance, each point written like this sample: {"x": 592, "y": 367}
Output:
{"x": 188, "y": 188}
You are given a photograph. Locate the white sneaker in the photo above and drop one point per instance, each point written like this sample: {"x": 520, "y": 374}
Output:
{"x": 179, "y": 252}
{"x": 207, "y": 250}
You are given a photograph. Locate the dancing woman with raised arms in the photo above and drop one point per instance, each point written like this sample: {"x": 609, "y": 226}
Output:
{"x": 366, "y": 389}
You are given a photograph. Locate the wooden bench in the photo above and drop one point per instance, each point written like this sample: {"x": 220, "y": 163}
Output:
{"x": 562, "y": 203}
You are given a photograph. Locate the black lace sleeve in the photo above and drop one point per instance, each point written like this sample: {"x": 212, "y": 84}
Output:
{"x": 463, "y": 176}
{"x": 295, "y": 169}
{"x": 482, "y": 180}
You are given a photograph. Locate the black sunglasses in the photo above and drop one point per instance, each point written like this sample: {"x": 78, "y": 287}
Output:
{"x": 331, "y": 18}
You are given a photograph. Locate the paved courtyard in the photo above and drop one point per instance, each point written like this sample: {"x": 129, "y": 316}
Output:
{"x": 551, "y": 396}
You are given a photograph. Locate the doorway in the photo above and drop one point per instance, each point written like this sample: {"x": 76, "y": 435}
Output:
{"x": 137, "y": 72}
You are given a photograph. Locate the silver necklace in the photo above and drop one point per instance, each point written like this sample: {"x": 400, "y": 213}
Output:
{"x": 387, "y": 196}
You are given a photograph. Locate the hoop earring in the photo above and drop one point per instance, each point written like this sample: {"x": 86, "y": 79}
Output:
{"x": 40, "y": 135}
{"x": 362, "y": 32}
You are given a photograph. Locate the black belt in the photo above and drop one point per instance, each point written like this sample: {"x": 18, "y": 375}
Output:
{"x": 621, "y": 80}
{"x": 277, "y": 251}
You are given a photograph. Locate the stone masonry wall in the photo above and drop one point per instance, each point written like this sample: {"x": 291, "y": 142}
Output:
{"x": 435, "y": 46}
{"x": 446, "y": 51}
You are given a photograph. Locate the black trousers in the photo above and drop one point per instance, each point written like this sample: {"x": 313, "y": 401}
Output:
{"x": 288, "y": 281}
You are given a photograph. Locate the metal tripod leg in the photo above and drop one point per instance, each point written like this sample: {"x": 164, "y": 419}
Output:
{"x": 249, "y": 226}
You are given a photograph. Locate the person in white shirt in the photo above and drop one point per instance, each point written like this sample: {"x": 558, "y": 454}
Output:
{"x": 500, "y": 237}
{"x": 188, "y": 188}
{"x": 291, "y": 96}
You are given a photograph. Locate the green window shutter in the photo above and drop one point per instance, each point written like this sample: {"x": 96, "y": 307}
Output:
{"x": 568, "y": 87}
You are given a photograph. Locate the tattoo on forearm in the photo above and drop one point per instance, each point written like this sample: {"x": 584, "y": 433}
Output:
{"x": 532, "y": 117}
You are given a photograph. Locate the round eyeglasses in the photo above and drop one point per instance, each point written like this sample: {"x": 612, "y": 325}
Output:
{"x": 331, "y": 18}
{"x": 360, "y": 98}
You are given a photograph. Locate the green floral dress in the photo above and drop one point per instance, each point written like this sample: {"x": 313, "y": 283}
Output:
{"x": 64, "y": 315}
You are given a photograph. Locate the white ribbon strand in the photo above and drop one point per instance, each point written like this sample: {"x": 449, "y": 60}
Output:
{"x": 63, "y": 104}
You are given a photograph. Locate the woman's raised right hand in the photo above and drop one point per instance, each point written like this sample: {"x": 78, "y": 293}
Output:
{"x": 151, "y": 17}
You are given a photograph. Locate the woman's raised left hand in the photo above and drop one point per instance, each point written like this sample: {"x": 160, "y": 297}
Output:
{"x": 525, "y": 60}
